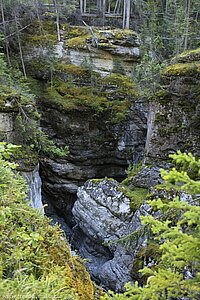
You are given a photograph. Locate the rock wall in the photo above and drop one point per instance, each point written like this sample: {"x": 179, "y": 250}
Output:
{"x": 173, "y": 117}
{"x": 82, "y": 45}
{"x": 98, "y": 148}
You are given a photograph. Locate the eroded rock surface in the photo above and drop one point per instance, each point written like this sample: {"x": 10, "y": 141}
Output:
{"x": 103, "y": 216}
{"x": 98, "y": 148}
{"x": 173, "y": 117}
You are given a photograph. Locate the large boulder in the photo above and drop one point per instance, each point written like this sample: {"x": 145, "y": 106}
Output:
{"x": 104, "y": 220}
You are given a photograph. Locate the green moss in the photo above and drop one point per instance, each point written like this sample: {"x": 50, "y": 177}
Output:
{"x": 170, "y": 130}
{"x": 160, "y": 118}
{"x": 25, "y": 157}
{"x": 106, "y": 45}
{"x": 98, "y": 180}
{"x": 162, "y": 96}
{"x": 79, "y": 42}
{"x": 136, "y": 195}
{"x": 188, "y": 56}
{"x": 75, "y": 31}
{"x": 115, "y": 94}
{"x": 182, "y": 69}
{"x": 122, "y": 84}
{"x": 44, "y": 40}
{"x": 8, "y": 98}
{"x": 41, "y": 33}
{"x": 77, "y": 72}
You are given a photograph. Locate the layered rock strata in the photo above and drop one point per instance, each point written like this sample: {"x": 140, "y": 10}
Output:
{"x": 98, "y": 148}
{"x": 173, "y": 122}
{"x": 104, "y": 221}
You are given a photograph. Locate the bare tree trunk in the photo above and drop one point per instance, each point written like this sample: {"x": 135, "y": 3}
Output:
{"x": 85, "y": 6}
{"x": 5, "y": 37}
{"x": 128, "y": 8}
{"x": 126, "y": 14}
{"x": 57, "y": 19}
{"x": 104, "y": 10}
{"x": 109, "y": 7}
{"x": 81, "y": 6}
{"x": 20, "y": 47}
{"x": 187, "y": 17}
{"x": 117, "y": 4}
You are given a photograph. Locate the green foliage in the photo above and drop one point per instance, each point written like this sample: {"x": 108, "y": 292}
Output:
{"x": 118, "y": 66}
{"x": 36, "y": 262}
{"x": 15, "y": 90}
{"x": 147, "y": 75}
{"x": 178, "y": 236}
{"x": 34, "y": 139}
{"x": 167, "y": 29}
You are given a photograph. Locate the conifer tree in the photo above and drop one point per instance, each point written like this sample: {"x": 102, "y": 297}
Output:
{"x": 177, "y": 232}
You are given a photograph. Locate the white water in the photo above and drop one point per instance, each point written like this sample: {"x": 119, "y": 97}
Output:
{"x": 34, "y": 182}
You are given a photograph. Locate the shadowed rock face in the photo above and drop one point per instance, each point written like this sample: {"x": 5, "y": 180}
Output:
{"x": 98, "y": 148}
{"x": 173, "y": 122}
{"x": 103, "y": 215}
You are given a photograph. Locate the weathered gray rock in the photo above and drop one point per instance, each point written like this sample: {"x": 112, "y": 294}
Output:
{"x": 173, "y": 122}
{"x": 98, "y": 148}
{"x": 7, "y": 126}
{"x": 97, "y": 205}
{"x": 103, "y": 216}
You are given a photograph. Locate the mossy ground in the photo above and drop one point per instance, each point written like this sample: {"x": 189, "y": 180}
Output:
{"x": 186, "y": 63}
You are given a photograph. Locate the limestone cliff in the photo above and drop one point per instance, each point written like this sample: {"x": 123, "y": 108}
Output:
{"x": 173, "y": 116}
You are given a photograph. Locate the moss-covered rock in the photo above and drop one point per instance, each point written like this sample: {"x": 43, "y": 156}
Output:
{"x": 174, "y": 111}
{"x": 182, "y": 69}
{"x": 108, "y": 39}
{"x": 187, "y": 56}
{"x": 178, "y": 102}
{"x": 112, "y": 94}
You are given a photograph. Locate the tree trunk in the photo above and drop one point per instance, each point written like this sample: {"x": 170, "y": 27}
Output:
{"x": 81, "y": 6}
{"x": 128, "y": 8}
{"x": 109, "y": 7}
{"x": 57, "y": 19}
{"x": 187, "y": 18}
{"x": 5, "y": 37}
{"x": 126, "y": 14}
{"x": 38, "y": 17}
{"x": 104, "y": 10}
{"x": 85, "y": 6}
{"x": 20, "y": 47}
